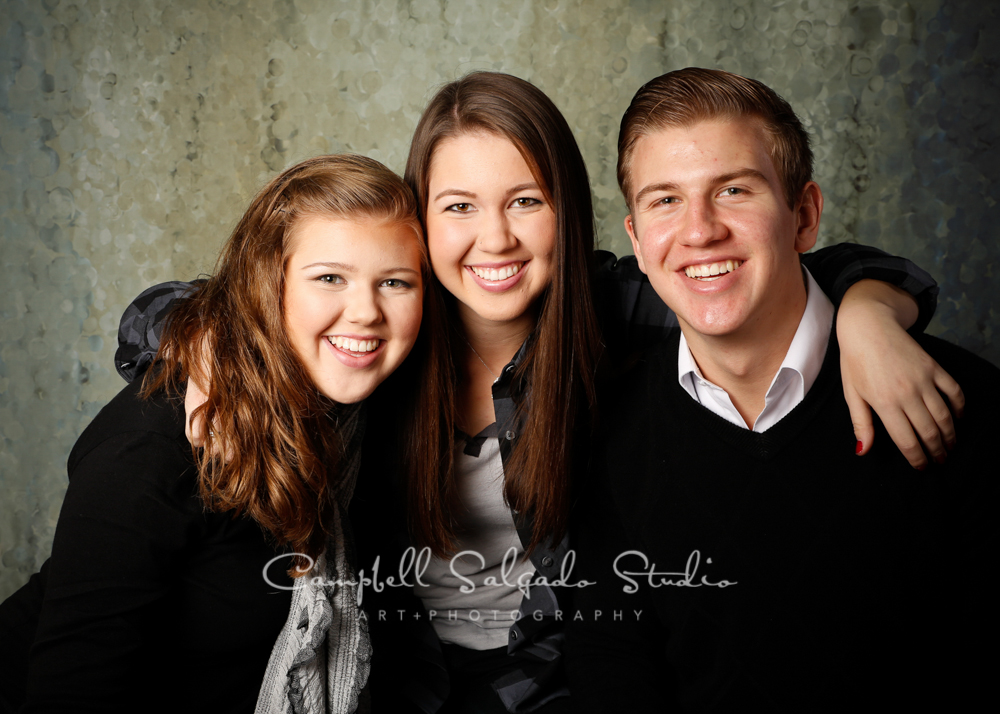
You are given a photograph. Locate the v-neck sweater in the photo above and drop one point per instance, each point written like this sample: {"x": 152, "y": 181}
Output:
{"x": 825, "y": 579}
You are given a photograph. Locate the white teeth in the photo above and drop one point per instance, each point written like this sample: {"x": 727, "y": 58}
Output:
{"x": 709, "y": 270}
{"x": 349, "y": 345}
{"x": 497, "y": 274}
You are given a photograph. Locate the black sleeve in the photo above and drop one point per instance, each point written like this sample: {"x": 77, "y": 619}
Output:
{"x": 142, "y": 324}
{"x": 127, "y": 516}
{"x": 615, "y": 642}
{"x": 634, "y": 317}
{"x": 838, "y": 267}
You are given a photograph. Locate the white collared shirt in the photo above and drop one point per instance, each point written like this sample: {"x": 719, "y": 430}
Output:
{"x": 795, "y": 376}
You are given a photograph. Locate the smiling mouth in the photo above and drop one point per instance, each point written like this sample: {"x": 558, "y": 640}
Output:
{"x": 495, "y": 275}
{"x": 712, "y": 271}
{"x": 353, "y": 346}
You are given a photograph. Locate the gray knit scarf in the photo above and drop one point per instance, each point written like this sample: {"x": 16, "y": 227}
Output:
{"x": 321, "y": 659}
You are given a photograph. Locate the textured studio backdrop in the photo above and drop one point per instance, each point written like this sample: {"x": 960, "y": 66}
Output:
{"x": 133, "y": 133}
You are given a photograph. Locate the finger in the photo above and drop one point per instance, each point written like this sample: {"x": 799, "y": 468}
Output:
{"x": 901, "y": 432}
{"x": 227, "y": 452}
{"x": 950, "y": 388}
{"x": 941, "y": 415}
{"x": 861, "y": 417}
{"x": 194, "y": 424}
{"x": 927, "y": 431}
{"x": 194, "y": 430}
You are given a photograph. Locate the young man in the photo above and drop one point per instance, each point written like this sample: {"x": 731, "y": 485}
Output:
{"x": 773, "y": 569}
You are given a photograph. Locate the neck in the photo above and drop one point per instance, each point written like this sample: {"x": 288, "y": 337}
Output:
{"x": 745, "y": 362}
{"x": 496, "y": 343}
{"x": 486, "y": 349}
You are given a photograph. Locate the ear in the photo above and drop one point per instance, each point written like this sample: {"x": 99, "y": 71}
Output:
{"x": 807, "y": 214}
{"x": 630, "y": 229}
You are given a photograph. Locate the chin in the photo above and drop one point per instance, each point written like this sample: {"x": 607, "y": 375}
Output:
{"x": 343, "y": 395}
{"x": 713, "y": 324}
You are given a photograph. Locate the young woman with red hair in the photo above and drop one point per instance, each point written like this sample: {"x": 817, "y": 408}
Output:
{"x": 168, "y": 583}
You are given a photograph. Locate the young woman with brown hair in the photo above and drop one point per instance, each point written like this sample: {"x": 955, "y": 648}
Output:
{"x": 502, "y": 422}
{"x": 167, "y": 585}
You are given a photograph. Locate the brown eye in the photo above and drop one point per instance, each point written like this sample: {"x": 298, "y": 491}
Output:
{"x": 395, "y": 283}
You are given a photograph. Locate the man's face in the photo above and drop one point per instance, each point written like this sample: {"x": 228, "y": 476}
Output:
{"x": 711, "y": 228}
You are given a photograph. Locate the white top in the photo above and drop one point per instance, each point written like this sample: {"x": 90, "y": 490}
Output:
{"x": 795, "y": 376}
{"x": 490, "y": 561}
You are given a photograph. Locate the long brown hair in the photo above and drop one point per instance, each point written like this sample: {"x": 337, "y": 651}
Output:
{"x": 557, "y": 376}
{"x": 280, "y": 433}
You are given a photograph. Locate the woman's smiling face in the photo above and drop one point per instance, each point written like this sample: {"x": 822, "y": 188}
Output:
{"x": 353, "y": 300}
{"x": 491, "y": 231}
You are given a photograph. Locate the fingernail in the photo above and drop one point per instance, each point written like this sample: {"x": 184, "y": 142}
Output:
{"x": 859, "y": 447}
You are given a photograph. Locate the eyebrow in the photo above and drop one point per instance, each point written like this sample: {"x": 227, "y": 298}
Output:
{"x": 530, "y": 186}
{"x": 455, "y": 192}
{"x": 333, "y": 266}
{"x": 351, "y": 269}
{"x": 533, "y": 185}
{"x": 722, "y": 178}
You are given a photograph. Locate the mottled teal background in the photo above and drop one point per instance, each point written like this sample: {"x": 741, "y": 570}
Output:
{"x": 132, "y": 134}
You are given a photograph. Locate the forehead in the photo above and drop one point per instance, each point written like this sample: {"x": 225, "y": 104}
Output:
{"x": 700, "y": 150}
{"x": 334, "y": 236}
{"x": 477, "y": 156}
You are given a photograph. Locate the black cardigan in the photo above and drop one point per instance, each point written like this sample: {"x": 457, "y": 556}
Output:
{"x": 148, "y": 603}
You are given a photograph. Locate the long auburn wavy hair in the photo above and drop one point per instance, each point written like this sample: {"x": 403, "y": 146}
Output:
{"x": 557, "y": 379}
{"x": 279, "y": 432}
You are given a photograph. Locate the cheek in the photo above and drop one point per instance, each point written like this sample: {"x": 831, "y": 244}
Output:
{"x": 292, "y": 313}
{"x": 308, "y": 313}
{"x": 444, "y": 244}
{"x": 657, "y": 239}
{"x": 406, "y": 316}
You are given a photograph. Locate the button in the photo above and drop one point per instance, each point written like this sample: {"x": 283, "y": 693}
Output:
{"x": 509, "y": 369}
{"x": 547, "y": 561}
{"x": 513, "y": 634}
{"x": 509, "y": 436}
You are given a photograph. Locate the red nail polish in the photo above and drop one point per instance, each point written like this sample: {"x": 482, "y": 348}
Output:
{"x": 859, "y": 447}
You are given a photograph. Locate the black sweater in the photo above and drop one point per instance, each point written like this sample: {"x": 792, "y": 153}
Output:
{"x": 853, "y": 580}
{"x": 148, "y": 603}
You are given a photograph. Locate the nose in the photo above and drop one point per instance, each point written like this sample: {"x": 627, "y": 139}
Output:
{"x": 363, "y": 307}
{"x": 702, "y": 224}
{"x": 495, "y": 234}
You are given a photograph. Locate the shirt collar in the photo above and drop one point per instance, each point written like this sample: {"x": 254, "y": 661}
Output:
{"x": 794, "y": 378}
{"x": 808, "y": 348}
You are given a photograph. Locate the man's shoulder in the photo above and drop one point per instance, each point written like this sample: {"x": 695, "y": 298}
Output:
{"x": 650, "y": 374}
